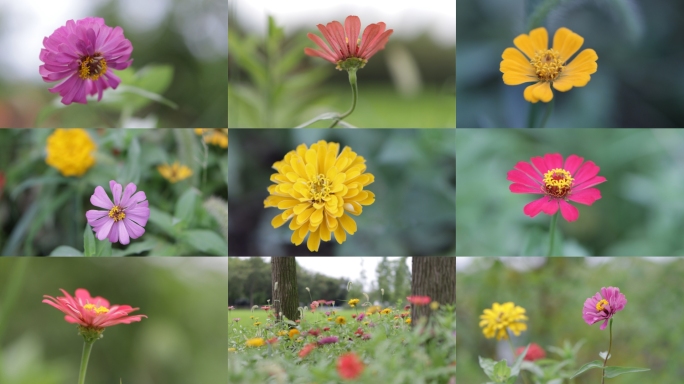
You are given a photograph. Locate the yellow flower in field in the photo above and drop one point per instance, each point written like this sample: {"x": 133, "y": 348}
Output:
{"x": 293, "y": 332}
{"x": 408, "y": 321}
{"x": 340, "y": 320}
{"x": 365, "y": 323}
{"x": 353, "y": 302}
{"x": 70, "y": 151}
{"x": 258, "y": 323}
{"x": 317, "y": 188}
{"x": 385, "y": 311}
{"x": 175, "y": 172}
{"x": 255, "y": 342}
{"x": 372, "y": 309}
{"x": 232, "y": 349}
{"x": 214, "y": 136}
{"x": 543, "y": 66}
{"x": 282, "y": 333}
{"x": 329, "y": 318}
{"x": 503, "y": 317}
{"x": 434, "y": 305}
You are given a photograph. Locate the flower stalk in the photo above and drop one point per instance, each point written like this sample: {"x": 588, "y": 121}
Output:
{"x": 552, "y": 233}
{"x": 355, "y": 95}
{"x": 87, "y": 347}
{"x": 610, "y": 346}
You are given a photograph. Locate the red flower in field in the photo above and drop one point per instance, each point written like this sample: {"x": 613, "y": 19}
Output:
{"x": 346, "y": 49}
{"x": 359, "y": 331}
{"x": 314, "y": 332}
{"x": 349, "y": 366}
{"x": 407, "y": 307}
{"x": 419, "y": 300}
{"x": 272, "y": 340}
{"x": 558, "y": 182}
{"x": 326, "y": 329}
{"x": 353, "y": 316}
{"x": 306, "y": 350}
{"x": 534, "y": 353}
{"x": 266, "y": 307}
{"x": 91, "y": 312}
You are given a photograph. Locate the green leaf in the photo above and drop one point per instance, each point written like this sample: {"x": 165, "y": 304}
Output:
{"x": 103, "y": 248}
{"x": 487, "y": 366}
{"x": 502, "y": 372}
{"x": 131, "y": 174}
{"x": 64, "y": 250}
{"x": 617, "y": 371}
{"x": 136, "y": 248}
{"x": 89, "y": 246}
{"x": 588, "y": 366}
{"x": 185, "y": 206}
{"x": 515, "y": 371}
{"x": 206, "y": 241}
{"x": 163, "y": 220}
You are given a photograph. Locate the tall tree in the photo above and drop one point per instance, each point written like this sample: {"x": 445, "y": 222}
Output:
{"x": 402, "y": 280}
{"x": 434, "y": 277}
{"x": 384, "y": 273}
{"x": 284, "y": 287}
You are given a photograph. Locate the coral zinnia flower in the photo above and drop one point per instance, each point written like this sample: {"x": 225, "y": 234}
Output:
{"x": 558, "y": 183}
{"x": 91, "y": 313}
{"x": 597, "y": 308}
{"x": 346, "y": 49}
{"x": 418, "y": 300}
{"x": 175, "y": 172}
{"x": 293, "y": 332}
{"x": 125, "y": 219}
{"x": 503, "y": 317}
{"x": 70, "y": 151}
{"x": 316, "y": 188}
{"x": 349, "y": 366}
{"x": 547, "y": 66}
{"x": 535, "y": 352}
{"x": 84, "y": 52}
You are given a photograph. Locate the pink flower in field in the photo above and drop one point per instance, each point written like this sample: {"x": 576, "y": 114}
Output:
{"x": 559, "y": 183}
{"x": 360, "y": 317}
{"x": 598, "y": 308}
{"x": 327, "y": 313}
{"x": 84, "y": 52}
{"x": 419, "y": 300}
{"x": 328, "y": 340}
{"x": 349, "y": 366}
{"x": 272, "y": 340}
{"x": 346, "y": 49}
{"x": 124, "y": 219}
{"x": 266, "y": 307}
{"x": 91, "y": 312}
{"x": 314, "y": 305}
{"x": 358, "y": 332}
{"x": 306, "y": 350}
{"x": 365, "y": 337}
{"x": 535, "y": 352}
{"x": 314, "y": 332}
{"x": 236, "y": 319}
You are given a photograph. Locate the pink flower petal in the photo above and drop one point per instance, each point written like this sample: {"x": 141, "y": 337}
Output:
{"x": 352, "y": 27}
{"x": 534, "y": 208}
{"x": 116, "y": 191}
{"x": 134, "y": 230}
{"x": 128, "y": 192}
{"x": 103, "y": 231}
{"x": 572, "y": 163}
{"x": 93, "y": 216}
{"x": 123, "y": 234}
{"x": 585, "y": 196}
{"x": 520, "y": 188}
{"x": 586, "y": 172}
{"x": 553, "y": 160}
{"x": 521, "y": 177}
{"x": 100, "y": 199}
{"x": 539, "y": 164}
{"x": 529, "y": 170}
{"x": 114, "y": 232}
{"x": 589, "y": 183}
{"x": 569, "y": 212}
{"x": 551, "y": 207}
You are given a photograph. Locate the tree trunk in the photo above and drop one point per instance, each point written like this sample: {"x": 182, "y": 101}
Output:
{"x": 434, "y": 277}
{"x": 285, "y": 295}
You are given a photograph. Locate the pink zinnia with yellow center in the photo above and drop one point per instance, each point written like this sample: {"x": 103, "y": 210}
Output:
{"x": 122, "y": 220}
{"x": 559, "y": 183}
{"x": 346, "y": 49}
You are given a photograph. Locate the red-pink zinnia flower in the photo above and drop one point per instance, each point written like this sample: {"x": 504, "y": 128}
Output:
{"x": 419, "y": 300}
{"x": 124, "y": 219}
{"x": 84, "y": 52}
{"x": 349, "y": 366}
{"x": 345, "y": 43}
{"x": 598, "y": 308}
{"x": 306, "y": 350}
{"x": 91, "y": 312}
{"x": 559, "y": 183}
{"x": 535, "y": 352}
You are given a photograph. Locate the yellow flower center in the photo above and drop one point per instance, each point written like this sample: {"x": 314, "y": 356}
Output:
{"x": 600, "y": 305}
{"x": 94, "y": 308}
{"x": 319, "y": 188}
{"x": 92, "y": 67}
{"x": 117, "y": 213}
{"x": 548, "y": 64}
{"x": 557, "y": 182}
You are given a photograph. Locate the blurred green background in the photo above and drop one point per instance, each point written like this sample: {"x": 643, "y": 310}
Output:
{"x": 40, "y": 209}
{"x": 413, "y": 212}
{"x": 182, "y": 340}
{"x": 179, "y": 52}
{"x": 638, "y": 83}
{"x": 647, "y": 333}
{"x": 273, "y": 84}
{"x": 641, "y": 211}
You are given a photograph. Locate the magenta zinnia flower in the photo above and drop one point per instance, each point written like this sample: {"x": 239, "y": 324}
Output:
{"x": 84, "y": 52}
{"x": 91, "y": 312}
{"x": 598, "y": 308}
{"x": 558, "y": 183}
{"x": 419, "y": 300}
{"x": 345, "y": 43}
{"x": 328, "y": 340}
{"x": 125, "y": 218}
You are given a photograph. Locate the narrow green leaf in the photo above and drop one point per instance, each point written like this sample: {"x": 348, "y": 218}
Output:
{"x": 163, "y": 220}
{"x": 89, "y": 247}
{"x": 515, "y": 371}
{"x": 617, "y": 371}
{"x": 185, "y": 206}
{"x": 588, "y": 366}
{"x": 136, "y": 248}
{"x": 104, "y": 248}
{"x": 206, "y": 241}
{"x": 64, "y": 250}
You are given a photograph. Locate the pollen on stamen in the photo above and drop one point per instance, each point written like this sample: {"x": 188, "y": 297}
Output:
{"x": 117, "y": 213}
{"x": 601, "y": 305}
{"x": 548, "y": 64}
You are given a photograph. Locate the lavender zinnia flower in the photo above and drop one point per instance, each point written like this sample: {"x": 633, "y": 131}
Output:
{"x": 599, "y": 308}
{"x": 360, "y": 316}
{"x": 84, "y": 52}
{"x": 125, "y": 218}
{"x": 328, "y": 340}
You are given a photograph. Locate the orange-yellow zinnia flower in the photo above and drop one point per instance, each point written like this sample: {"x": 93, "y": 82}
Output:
{"x": 546, "y": 66}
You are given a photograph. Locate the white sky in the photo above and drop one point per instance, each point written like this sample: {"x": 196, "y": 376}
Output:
{"x": 407, "y": 18}
{"x": 347, "y": 267}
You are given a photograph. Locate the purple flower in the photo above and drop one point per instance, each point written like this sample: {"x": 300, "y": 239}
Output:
{"x": 598, "y": 308}
{"x": 84, "y": 52}
{"x": 124, "y": 219}
{"x": 328, "y": 340}
{"x": 366, "y": 336}
{"x": 360, "y": 317}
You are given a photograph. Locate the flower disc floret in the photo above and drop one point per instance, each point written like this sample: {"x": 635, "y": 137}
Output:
{"x": 501, "y": 318}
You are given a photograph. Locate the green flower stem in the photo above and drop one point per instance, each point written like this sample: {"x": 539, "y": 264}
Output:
{"x": 355, "y": 96}
{"x": 87, "y": 347}
{"x": 510, "y": 343}
{"x": 610, "y": 346}
{"x": 547, "y": 114}
{"x": 552, "y": 233}
{"x": 534, "y": 112}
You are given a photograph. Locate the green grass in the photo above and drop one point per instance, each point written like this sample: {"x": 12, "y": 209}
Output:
{"x": 261, "y": 315}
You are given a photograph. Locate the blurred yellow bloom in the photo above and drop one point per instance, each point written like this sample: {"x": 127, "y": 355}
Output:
{"x": 232, "y": 349}
{"x": 258, "y": 323}
{"x": 282, "y": 333}
{"x": 175, "y": 172}
{"x": 372, "y": 309}
{"x": 385, "y": 311}
{"x": 255, "y": 342}
{"x": 502, "y": 317}
{"x": 70, "y": 151}
{"x": 329, "y": 318}
{"x": 434, "y": 305}
{"x": 353, "y": 302}
{"x": 341, "y": 320}
{"x": 214, "y": 136}
{"x": 293, "y": 332}
{"x": 408, "y": 321}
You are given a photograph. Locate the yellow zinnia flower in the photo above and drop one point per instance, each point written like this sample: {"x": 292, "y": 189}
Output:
{"x": 353, "y": 302}
{"x": 214, "y": 136}
{"x": 317, "y": 187}
{"x": 255, "y": 342}
{"x": 293, "y": 332}
{"x": 503, "y": 317}
{"x": 340, "y": 320}
{"x": 70, "y": 151}
{"x": 232, "y": 349}
{"x": 547, "y": 66}
{"x": 258, "y": 323}
{"x": 175, "y": 172}
{"x": 282, "y": 333}
{"x": 385, "y": 311}
{"x": 408, "y": 321}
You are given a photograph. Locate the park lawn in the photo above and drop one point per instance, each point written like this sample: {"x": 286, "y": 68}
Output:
{"x": 261, "y": 315}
